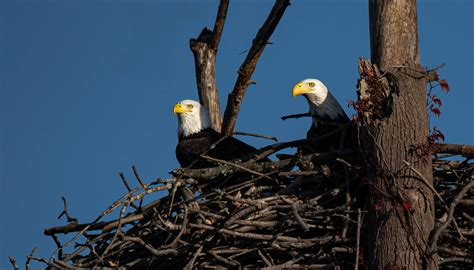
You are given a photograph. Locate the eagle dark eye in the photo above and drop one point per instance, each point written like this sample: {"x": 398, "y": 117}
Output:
{"x": 311, "y": 84}
{"x": 189, "y": 106}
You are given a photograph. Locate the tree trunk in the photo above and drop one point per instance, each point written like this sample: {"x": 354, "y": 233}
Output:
{"x": 394, "y": 131}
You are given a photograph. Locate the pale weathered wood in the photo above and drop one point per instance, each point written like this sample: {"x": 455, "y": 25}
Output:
{"x": 204, "y": 49}
{"x": 402, "y": 207}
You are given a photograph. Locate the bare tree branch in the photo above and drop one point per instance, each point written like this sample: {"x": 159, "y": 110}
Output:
{"x": 204, "y": 49}
{"x": 256, "y": 135}
{"x": 248, "y": 67}
{"x": 296, "y": 116}
{"x": 219, "y": 24}
{"x": 13, "y": 262}
{"x": 458, "y": 149}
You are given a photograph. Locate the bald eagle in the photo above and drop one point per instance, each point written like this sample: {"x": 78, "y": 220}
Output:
{"x": 327, "y": 115}
{"x": 195, "y": 137}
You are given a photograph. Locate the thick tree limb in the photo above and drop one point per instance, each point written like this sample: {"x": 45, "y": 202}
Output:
{"x": 260, "y": 167}
{"x": 248, "y": 67}
{"x": 457, "y": 149}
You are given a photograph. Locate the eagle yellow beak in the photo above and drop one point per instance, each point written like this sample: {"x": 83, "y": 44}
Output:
{"x": 178, "y": 108}
{"x": 300, "y": 89}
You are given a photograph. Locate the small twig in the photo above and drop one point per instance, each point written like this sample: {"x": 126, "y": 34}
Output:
{"x": 359, "y": 225}
{"x": 256, "y": 135}
{"x": 423, "y": 179}
{"x": 119, "y": 227}
{"x": 456, "y": 259}
{"x": 268, "y": 150}
{"x": 235, "y": 165}
{"x": 66, "y": 212}
{"x": 190, "y": 264}
{"x": 139, "y": 178}
{"x": 264, "y": 259}
{"x": 59, "y": 246}
{"x": 298, "y": 173}
{"x": 127, "y": 186}
{"x": 13, "y": 262}
{"x": 55, "y": 264}
{"x": 225, "y": 261}
{"x": 452, "y": 207}
{"x": 124, "y": 181}
{"x": 28, "y": 259}
{"x": 296, "y": 116}
{"x": 348, "y": 200}
{"x": 298, "y": 218}
{"x": 173, "y": 195}
{"x": 183, "y": 229}
{"x": 150, "y": 248}
{"x": 437, "y": 67}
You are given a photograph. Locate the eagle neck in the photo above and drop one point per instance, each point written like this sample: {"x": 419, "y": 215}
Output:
{"x": 324, "y": 106}
{"x": 189, "y": 124}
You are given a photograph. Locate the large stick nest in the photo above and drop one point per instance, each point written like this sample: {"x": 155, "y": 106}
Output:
{"x": 256, "y": 215}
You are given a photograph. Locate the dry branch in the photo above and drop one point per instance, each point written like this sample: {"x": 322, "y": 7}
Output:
{"x": 457, "y": 149}
{"x": 204, "y": 49}
{"x": 296, "y": 116}
{"x": 247, "y": 68}
{"x": 454, "y": 203}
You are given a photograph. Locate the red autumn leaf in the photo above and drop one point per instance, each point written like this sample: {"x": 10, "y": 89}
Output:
{"x": 441, "y": 136}
{"x": 436, "y": 100}
{"x": 377, "y": 206}
{"x": 356, "y": 118}
{"x": 350, "y": 103}
{"x": 436, "y": 111}
{"x": 436, "y": 134}
{"x": 406, "y": 206}
{"x": 444, "y": 85}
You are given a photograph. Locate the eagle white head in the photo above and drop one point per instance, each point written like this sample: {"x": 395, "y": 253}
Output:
{"x": 192, "y": 117}
{"x": 322, "y": 104}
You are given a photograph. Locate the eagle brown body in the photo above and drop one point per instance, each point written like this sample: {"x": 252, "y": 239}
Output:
{"x": 196, "y": 137}
{"x": 328, "y": 117}
{"x": 189, "y": 149}
{"x": 343, "y": 135}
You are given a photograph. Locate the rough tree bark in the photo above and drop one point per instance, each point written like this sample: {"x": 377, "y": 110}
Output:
{"x": 394, "y": 130}
{"x": 204, "y": 49}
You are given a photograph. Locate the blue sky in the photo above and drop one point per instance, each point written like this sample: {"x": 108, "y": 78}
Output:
{"x": 87, "y": 89}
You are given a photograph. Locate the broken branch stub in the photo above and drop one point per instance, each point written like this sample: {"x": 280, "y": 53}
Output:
{"x": 204, "y": 50}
